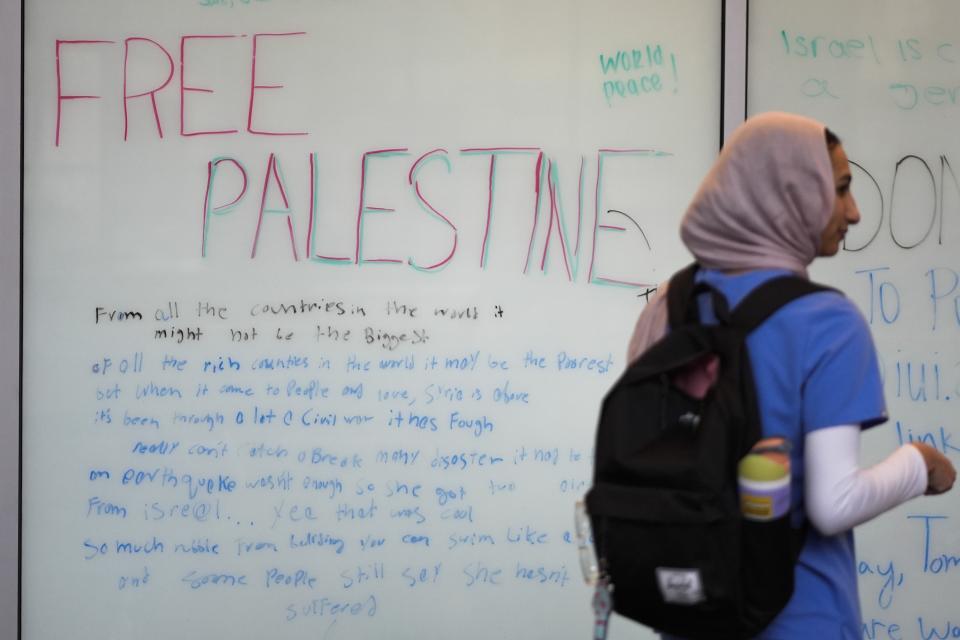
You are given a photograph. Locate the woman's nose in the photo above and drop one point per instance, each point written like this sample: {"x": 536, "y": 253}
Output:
{"x": 853, "y": 212}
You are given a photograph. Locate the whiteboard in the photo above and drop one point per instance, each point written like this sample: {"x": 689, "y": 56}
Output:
{"x": 882, "y": 75}
{"x": 320, "y": 299}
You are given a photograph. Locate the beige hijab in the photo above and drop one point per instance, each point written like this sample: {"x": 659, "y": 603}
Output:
{"x": 763, "y": 205}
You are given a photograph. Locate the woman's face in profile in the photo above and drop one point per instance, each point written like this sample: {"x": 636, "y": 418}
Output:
{"x": 845, "y": 212}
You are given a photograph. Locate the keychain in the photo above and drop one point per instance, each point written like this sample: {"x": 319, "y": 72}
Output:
{"x": 593, "y": 572}
{"x": 602, "y": 607}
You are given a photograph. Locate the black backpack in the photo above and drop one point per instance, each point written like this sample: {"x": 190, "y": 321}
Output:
{"x": 664, "y": 505}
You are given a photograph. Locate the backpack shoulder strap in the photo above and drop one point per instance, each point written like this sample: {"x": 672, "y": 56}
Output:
{"x": 763, "y": 301}
{"x": 679, "y": 294}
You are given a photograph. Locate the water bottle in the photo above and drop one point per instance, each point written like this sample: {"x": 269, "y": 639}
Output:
{"x": 763, "y": 476}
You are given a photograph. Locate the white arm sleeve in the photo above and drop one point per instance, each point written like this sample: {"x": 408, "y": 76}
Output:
{"x": 839, "y": 495}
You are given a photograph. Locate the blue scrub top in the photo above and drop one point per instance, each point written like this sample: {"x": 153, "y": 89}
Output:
{"x": 815, "y": 366}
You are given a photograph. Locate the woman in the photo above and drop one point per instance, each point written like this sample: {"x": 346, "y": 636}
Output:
{"x": 778, "y": 197}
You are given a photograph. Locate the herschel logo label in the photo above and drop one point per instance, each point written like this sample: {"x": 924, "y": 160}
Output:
{"x": 680, "y": 586}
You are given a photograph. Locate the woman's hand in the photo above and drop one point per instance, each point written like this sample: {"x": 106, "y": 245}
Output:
{"x": 940, "y": 472}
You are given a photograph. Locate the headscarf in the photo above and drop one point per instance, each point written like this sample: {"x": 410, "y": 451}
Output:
{"x": 763, "y": 205}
